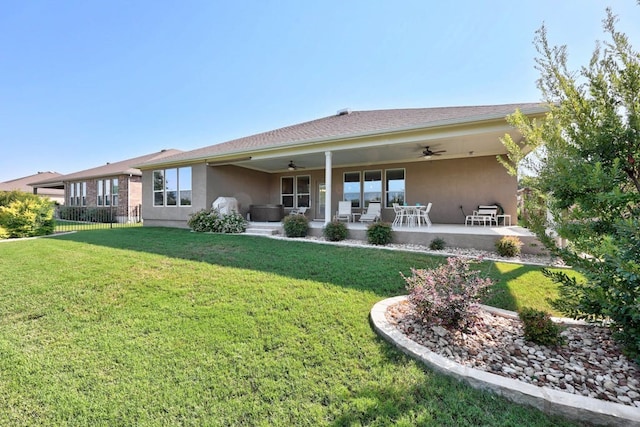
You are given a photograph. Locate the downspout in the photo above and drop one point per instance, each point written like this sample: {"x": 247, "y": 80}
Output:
{"x": 327, "y": 183}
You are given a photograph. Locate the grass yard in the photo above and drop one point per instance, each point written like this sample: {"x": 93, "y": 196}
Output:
{"x": 148, "y": 326}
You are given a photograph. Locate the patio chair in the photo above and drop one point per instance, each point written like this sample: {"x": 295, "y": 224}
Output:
{"x": 399, "y": 211}
{"x": 344, "y": 211}
{"x": 484, "y": 214}
{"x": 299, "y": 211}
{"x": 423, "y": 215}
{"x": 372, "y": 214}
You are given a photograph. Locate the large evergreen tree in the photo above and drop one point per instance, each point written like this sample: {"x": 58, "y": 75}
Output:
{"x": 588, "y": 166}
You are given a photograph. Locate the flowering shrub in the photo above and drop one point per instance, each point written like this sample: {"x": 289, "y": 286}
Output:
{"x": 210, "y": 220}
{"x": 446, "y": 295}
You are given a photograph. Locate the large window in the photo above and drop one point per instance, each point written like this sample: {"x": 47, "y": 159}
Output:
{"x": 372, "y": 187}
{"x": 295, "y": 192}
{"x": 106, "y": 192}
{"x": 172, "y": 187}
{"x": 351, "y": 188}
{"x": 395, "y": 187}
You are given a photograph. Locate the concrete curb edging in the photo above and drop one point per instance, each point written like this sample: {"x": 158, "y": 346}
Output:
{"x": 572, "y": 406}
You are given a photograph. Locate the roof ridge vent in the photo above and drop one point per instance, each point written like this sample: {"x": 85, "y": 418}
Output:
{"x": 343, "y": 112}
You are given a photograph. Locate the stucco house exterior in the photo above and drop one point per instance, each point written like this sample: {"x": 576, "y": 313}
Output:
{"x": 446, "y": 156}
{"x": 117, "y": 186}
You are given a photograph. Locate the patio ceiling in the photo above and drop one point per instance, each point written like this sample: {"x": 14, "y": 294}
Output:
{"x": 461, "y": 143}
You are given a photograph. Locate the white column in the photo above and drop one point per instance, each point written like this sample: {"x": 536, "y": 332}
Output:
{"x": 327, "y": 185}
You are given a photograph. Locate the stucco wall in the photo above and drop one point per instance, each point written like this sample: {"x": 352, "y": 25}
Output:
{"x": 448, "y": 184}
{"x": 174, "y": 216}
{"x": 248, "y": 186}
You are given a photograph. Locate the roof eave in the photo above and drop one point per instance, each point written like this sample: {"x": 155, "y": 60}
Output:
{"x": 532, "y": 111}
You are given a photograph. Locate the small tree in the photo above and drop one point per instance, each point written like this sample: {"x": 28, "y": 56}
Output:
{"x": 588, "y": 165}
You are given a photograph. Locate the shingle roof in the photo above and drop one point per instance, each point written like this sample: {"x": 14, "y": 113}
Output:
{"x": 354, "y": 123}
{"x": 22, "y": 184}
{"x": 123, "y": 167}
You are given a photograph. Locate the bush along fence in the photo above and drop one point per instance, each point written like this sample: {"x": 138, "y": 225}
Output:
{"x": 76, "y": 218}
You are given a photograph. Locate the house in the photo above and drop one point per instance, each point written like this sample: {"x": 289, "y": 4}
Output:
{"x": 446, "y": 156}
{"x": 116, "y": 186}
{"x": 23, "y": 184}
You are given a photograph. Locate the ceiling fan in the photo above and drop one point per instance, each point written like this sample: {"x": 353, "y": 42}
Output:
{"x": 427, "y": 153}
{"x": 292, "y": 166}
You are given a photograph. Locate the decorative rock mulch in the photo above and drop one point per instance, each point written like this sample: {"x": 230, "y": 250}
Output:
{"x": 589, "y": 363}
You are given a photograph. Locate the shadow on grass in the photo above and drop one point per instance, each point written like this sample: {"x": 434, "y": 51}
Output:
{"x": 365, "y": 269}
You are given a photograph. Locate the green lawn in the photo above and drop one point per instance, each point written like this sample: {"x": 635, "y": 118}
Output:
{"x": 147, "y": 326}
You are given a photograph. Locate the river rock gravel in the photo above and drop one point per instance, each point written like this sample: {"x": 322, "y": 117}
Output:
{"x": 589, "y": 363}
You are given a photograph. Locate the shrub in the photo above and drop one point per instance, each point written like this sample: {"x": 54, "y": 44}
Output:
{"x": 539, "y": 328}
{"x": 379, "y": 233}
{"x": 233, "y": 223}
{"x": 296, "y": 225}
{"x": 446, "y": 295}
{"x": 4, "y": 233}
{"x": 25, "y": 215}
{"x": 437, "y": 244}
{"x": 335, "y": 231}
{"x": 210, "y": 220}
{"x": 508, "y": 246}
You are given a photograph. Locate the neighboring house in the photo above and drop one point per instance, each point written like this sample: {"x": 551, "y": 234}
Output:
{"x": 114, "y": 185}
{"x": 361, "y": 156}
{"x": 23, "y": 184}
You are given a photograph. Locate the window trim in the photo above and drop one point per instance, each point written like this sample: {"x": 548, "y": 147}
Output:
{"x": 178, "y": 186}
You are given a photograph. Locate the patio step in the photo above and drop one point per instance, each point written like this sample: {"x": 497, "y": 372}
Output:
{"x": 262, "y": 231}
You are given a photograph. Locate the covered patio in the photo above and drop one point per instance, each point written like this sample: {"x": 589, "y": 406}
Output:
{"x": 454, "y": 235}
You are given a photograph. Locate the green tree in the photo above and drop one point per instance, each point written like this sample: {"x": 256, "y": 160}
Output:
{"x": 587, "y": 164}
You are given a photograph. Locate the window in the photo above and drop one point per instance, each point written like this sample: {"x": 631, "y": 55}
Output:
{"x": 184, "y": 178}
{"x": 72, "y": 194}
{"x": 83, "y": 194}
{"x": 395, "y": 186}
{"x": 158, "y": 188}
{"x": 114, "y": 189}
{"x": 351, "y": 188}
{"x": 172, "y": 187}
{"x": 107, "y": 192}
{"x": 295, "y": 189}
{"x": 303, "y": 189}
{"x": 372, "y": 187}
{"x": 286, "y": 191}
{"x": 99, "y": 191}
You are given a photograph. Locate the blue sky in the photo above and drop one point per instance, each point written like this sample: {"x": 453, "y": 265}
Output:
{"x": 83, "y": 83}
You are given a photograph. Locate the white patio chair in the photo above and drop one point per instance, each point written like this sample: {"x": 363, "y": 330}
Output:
{"x": 299, "y": 211}
{"x": 372, "y": 214}
{"x": 399, "y": 219}
{"x": 423, "y": 215}
{"x": 344, "y": 211}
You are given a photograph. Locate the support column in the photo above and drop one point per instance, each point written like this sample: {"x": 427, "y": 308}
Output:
{"x": 328, "y": 209}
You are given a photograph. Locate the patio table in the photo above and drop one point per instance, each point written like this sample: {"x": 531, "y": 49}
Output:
{"x": 412, "y": 214}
